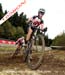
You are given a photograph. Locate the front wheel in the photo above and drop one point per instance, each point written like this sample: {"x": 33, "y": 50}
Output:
{"x": 35, "y": 57}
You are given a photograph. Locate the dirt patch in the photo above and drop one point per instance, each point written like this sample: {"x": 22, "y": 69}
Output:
{"x": 53, "y": 64}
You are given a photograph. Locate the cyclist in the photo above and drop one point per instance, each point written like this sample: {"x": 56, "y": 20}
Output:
{"x": 34, "y": 22}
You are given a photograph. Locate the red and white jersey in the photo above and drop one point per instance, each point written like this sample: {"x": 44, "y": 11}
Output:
{"x": 37, "y": 22}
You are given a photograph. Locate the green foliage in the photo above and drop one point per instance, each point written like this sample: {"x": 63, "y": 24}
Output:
{"x": 9, "y": 30}
{"x": 18, "y": 20}
{"x": 14, "y": 27}
{"x": 22, "y": 21}
{"x": 14, "y": 20}
{"x": 1, "y": 15}
{"x": 19, "y": 32}
{"x": 1, "y": 32}
{"x": 1, "y": 8}
{"x": 5, "y": 12}
{"x": 59, "y": 40}
{"x": 48, "y": 41}
{"x": 1, "y": 11}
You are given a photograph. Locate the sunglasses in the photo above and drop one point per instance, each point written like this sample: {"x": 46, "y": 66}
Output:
{"x": 42, "y": 13}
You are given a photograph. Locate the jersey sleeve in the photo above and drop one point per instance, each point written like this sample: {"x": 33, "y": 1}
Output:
{"x": 34, "y": 17}
{"x": 42, "y": 25}
{"x": 42, "y": 22}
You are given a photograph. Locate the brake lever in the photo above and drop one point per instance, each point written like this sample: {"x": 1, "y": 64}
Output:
{"x": 44, "y": 30}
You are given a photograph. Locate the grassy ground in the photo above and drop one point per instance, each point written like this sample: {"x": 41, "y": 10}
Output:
{"x": 5, "y": 48}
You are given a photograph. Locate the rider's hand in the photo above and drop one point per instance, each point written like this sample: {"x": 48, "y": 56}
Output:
{"x": 45, "y": 29}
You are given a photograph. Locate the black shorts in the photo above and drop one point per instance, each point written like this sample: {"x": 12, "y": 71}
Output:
{"x": 32, "y": 27}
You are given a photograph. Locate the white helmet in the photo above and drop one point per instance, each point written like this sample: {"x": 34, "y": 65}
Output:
{"x": 41, "y": 11}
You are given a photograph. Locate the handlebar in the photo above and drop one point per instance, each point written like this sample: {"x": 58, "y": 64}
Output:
{"x": 44, "y": 30}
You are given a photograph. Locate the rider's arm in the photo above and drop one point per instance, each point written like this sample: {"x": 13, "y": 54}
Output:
{"x": 41, "y": 26}
{"x": 31, "y": 19}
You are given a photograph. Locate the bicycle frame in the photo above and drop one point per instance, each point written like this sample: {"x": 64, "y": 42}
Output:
{"x": 37, "y": 31}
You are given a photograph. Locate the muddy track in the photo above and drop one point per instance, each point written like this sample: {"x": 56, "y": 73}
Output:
{"x": 53, "y": 64}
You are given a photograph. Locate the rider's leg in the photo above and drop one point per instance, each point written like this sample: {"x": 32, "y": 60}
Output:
{"x": 29, "y": 34}
{"x": 17, "y": 50}
{"x": 18, "y": 46}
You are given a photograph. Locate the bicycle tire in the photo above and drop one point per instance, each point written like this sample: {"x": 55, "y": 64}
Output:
{"x": 35, "y": 66}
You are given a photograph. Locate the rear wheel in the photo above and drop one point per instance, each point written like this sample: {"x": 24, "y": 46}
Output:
{"x": 35, "y": 55}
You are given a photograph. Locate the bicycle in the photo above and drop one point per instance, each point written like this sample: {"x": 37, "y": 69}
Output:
{"x": 33, "y": 53}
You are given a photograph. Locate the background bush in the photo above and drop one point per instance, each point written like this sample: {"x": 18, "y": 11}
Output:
{"x": 59, "y": 40}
